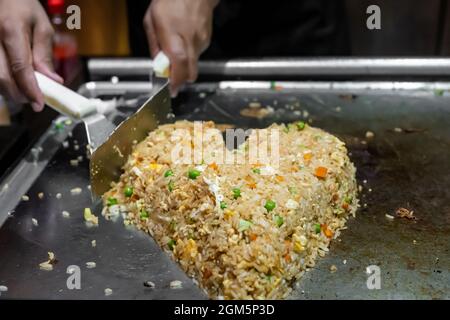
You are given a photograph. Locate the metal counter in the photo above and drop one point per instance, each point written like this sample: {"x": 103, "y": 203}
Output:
{"x": 406, "y": 164}
{"x": 334, "y": 66}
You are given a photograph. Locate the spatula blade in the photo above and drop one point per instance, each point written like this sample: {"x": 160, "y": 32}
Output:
{"x": 98, "y": 129}
{"x": 108, "y": 159}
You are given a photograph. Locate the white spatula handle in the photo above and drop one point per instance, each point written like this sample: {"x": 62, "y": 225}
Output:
{"x": 63, "y": 99}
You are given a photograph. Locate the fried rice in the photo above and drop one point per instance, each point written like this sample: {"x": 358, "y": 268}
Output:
{"x": 242, "y": 231}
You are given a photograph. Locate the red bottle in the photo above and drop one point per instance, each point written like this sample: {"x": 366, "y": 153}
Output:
{"x": 65, "y": 50}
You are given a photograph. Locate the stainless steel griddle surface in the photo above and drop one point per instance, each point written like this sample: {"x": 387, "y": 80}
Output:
{"x": 409, "y": 169}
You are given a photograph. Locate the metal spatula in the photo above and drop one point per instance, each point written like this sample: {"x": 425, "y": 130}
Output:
{"x": 110, "y": 146}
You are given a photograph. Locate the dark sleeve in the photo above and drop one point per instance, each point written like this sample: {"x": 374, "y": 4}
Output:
{"x": 136, "y": 33}
{"x": 255, "y": 28}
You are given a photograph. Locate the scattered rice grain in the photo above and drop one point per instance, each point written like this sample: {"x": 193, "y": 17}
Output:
{"x": 65, "y": 214}
{"x": 75, "y": 191}
{"x": 389, "y": 216}
{"x": 370, "y": 135}
{"x": 176, "y": 284}
{"x": 149, "y": 284}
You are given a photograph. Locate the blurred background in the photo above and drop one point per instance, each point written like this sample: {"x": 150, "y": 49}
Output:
{"x": 409, "y": 27}
{"x": 242, "y": 29}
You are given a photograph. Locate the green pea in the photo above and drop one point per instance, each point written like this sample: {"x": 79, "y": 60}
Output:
{"x": 317, "y": 228}
{"x": 300, "y": 125}
{"x": 144, "y": 214}
{"x": 279, "y": 220}
{"x": 270, "y": 205}
{"x": 128, "y": 192}
{"x": 193, "y": 174}
{"x": 168, "y": 173}
{"x": 112, "y": 201}
{"x": 171, "y": 244}
{"x": 236, "y": 193}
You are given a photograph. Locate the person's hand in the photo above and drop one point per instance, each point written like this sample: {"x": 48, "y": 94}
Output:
{"x": 182, "y": 30}
{"x": 26, "y": 38}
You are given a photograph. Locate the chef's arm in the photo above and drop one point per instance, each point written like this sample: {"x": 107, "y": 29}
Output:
{"x": 182, "y": 30}
{"x": 26, "y": 37}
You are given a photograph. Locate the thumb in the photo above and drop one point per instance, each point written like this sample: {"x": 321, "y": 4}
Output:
{"x": 42, "y": 50}
{"x": 152, "y": 39}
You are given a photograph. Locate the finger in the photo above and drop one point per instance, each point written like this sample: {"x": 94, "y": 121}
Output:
{"x": 42, "y": 50}
{"x": 7, "y": 85}
{"x": 173, "y": 46}
{"x": 202, "y": 39}
{"x": 151, "y": 35}
{"x": 192, "y": 63}
{"x": 17, "y": 46}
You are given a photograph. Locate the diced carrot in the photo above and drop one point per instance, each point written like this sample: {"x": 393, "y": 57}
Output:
{"x": 287, "y": 257}
{"x": 279, "y": 178}
{"x": 251, "y": 185}
{"x": 326, "y": 231}
{"x": 250, "y": 182}
{"x": 213, "y": 166}
{"x": 345, "y": 206}
{"x": 307, "y": 156}
{"x": 253, "y": 237}
{"x": 321, "y": 172}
